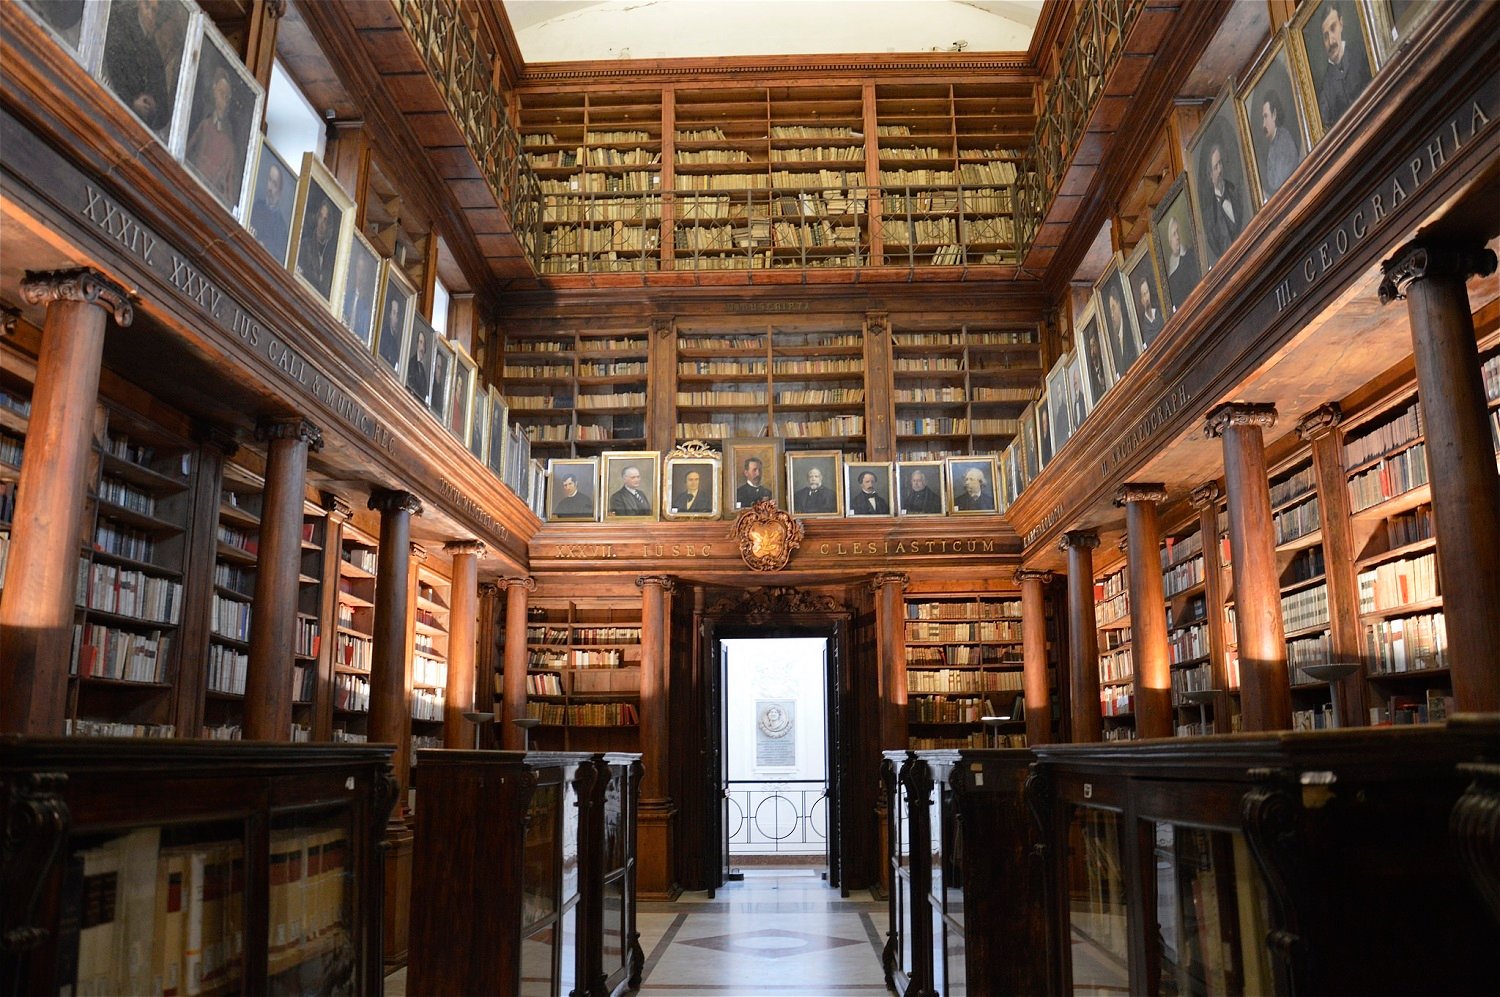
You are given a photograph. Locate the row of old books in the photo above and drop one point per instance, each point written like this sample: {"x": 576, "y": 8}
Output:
{"x": 426, "y": 704}
{"x": 602, "y": 715}
{"x": 127, "y": 496}
{"x": 1116, "y": 665}
{"x": 235, "y": 578}
{"x": 1298, "y": 521}
{"x": 247, "y": 541}
{"x": 1393, "y": 476}
{"x": 308, "y": 639}
{"x": 1187, "y": 643}
{"x": 128, "y": 592}
{"x": 351, "y": 693}
{"x": 1408, "y": 644}
{"x": 839, "y": 366}
{"x": 1183, "y": 576}
{"x": 544, "y": 684}
{"x": 353, "y": 651}
{"x": 1300, "y": 651}
{"x": 122, "y": 541}
{"x": 839, "y": 425}
{"x": 983, "y": 630}
{"x": 105, "y": 652}
{"x": 1197, "y": 678}
{"x": 1398, "y": 583}
{"x": 1293, "y": 485}
{"x": 1399, "y": 430}
{"x": 1117, "y": 700}
{"x": 230, "y": 618}
{"x": 1307, "y": 608}
{"x": 947, "y": 711}
{"x": 944, "y": 680}
{"x": 429, "y": 671}
{"x": 226, "y": 669}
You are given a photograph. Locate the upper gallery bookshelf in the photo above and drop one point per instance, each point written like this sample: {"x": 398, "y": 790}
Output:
{"x": 960, "y": 390}
{"x": 802, "y": 383}
{"x": 963, "y": 663}
{"x": 583, "y": 674}
{"x": 578, "y": 393}
{"x": 754, "y": 177}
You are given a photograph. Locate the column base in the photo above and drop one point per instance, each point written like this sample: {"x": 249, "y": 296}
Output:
{"x": 654, "y": 852}
{"x": 396, "y": 920}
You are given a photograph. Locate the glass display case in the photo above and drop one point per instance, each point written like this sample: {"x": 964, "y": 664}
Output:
{"x": 192, "y": 867}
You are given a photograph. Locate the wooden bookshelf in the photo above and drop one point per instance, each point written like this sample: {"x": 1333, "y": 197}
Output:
{"x": 583, "y": 675}
{"x": 236, "y": 555}
{"x": 1197, "y": 687}
{"x": 960, "y": 390}
{"x": 429, "y": 658}
{"x": 578, "y": 393}
{"x": 963, "y": 662}
{"x": 1303, "y": 576}
{"x": 353, "y": 636}
{"x": 128, "y": 650}
{"x": 1116, "y": 660}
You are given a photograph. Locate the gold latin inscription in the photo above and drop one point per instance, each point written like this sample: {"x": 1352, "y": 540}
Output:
{"x": 860, "y": 548}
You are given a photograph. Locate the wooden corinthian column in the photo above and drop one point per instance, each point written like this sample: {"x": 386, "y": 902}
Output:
{"x": 1034, "y": 676}
{"x": 655, "y": 859}
{"x": 1265, "y": 689}
{"x": 390, "y": 713}
{"x": 1460, "y": 456}
{"x": 1148, "y": 618}
{"x": 463, "y": 618}
{"x": 273, "y": 623}
{"x": 513, "y": 683}
{"x": 1083, "y": 636}
{"x": 36, "y": 609}
{"x": 890, "y": 637}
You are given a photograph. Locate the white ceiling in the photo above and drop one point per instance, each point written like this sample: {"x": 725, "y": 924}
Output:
{"x": 572, "y": 30}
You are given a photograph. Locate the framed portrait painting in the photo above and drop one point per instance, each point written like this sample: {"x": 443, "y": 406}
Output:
{"x": 1218, "y": 178}
{"x": 1271, "y": 114}
{"x": 1079, "y": 402}
{"x": 499, "y": 430}
{"x": 1143, "y": 287}
{"x": 75, "y": 24}
{"x": 573, "y": 490}
{"x": 1176, "y": 245}
{"x": 630, "y": 484}
{"x": 1043, "y": 431}
{"x": 814, "y": 483}
{"x": 421, "y": 355}
{"x": 690, "y": 486}
{"x": 1393, "y": 22}
{"x": 971, "y": 485}
{"x": 1059, "y": 407}
{"x": 361, "y": 281}
{"x": 1098, "y": 375}
{"x": 1117, "y": 320}
{"x": 442, "y": 370}
{"x": 461, "y": 394}
{"x": 1335, "y": 56}
{"x": 397, "y": 305}
{"x": 1030, "y": 458}
{"x": 321, "y": 223}
{"x": 223, "y": 121}
{"x": 479, "y": 423}
{"x": 271, "y": 201}
{"x": 919, "y": 488}
{"x": 752, "y": 471}
{"x": 867, "y": 488}
{"x": 144, "y": 60}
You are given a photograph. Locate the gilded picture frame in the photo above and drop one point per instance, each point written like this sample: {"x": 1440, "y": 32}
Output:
{"x": 397, "y": 306}
{"x": 690, "y": 486}
{"x": 322, "y": 221}
{"x": 868, "y": 488}
{"x": 1143, "y": 286}
{"x": 459, "y": 417}
{"x": 1178, "y": 252}
{"x": 222, "y": 106}
{"x": 78, "y": 28}
{"x": 1328, "y": 92}
{"x": 1273, "y": 119}
{"x": 630, "y": 496}
{"x": 1218, "y": 174}
{"x": 1059, "y": 409}
{"x": 752, "y": 471}
{"x": 1088, "y": 341}
{"x": 973, "y": 486}
{"x": 815, "y": 484}
{"x": 924, "y": 497}
{"x": 357, "y": 305}
{"x": 499, "y": 433}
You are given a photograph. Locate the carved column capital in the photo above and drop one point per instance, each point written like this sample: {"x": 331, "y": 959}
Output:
{"x": 78, "y": 284}
{"x": 385, "y": 500}
{"x": 877, "y": 323}
{"x": 1133, "y": 492}
{"x": 275, "y": 9}
{"x": 222, "y": 440}
{"x": 489, "y": 590}
{"x": 1419, "y": 260}
{"x": 662, "y": 326}
{"x": 1262, "y": 414}
{"x": 897, "y": 578}
{"x": 516, "y": 581}
{"x": 1033, "y": 575}
{"x": 418, "y": 552}
{"x": 667, "y": 582}
{"x": 1319, "y": 421}
{"x": 338, "y": 507}
{"x": 9, "y": 316}
{"x": 1205, "y": 495}
{"x": 296, "y": 428}
{"x": 1080, "y": 539}
{"x": 456, "y": 547}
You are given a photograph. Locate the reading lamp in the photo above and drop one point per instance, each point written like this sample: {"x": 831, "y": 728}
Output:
{"x": 477, "y": 719}
{"x": 526, "y": 723}
{"x": 1331, "y": 672}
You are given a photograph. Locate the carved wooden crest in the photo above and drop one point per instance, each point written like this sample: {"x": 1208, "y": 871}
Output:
{"x": 767, "y": 536}
{"x": 694, "y": 448}
{"x": 759, "y": 605}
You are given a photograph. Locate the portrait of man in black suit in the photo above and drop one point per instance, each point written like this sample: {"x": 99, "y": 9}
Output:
{"x": 572, "y": 490}
{"x": 921, "y": 488}
{"x": 635, "y": 485}
{"x": 868, "y": 489}
{"x": 318, "y": 240}
{"x": 1275, "y": 134}
{"x": 1119, "y": 323}
{"x": 394, "y": 308}
{"x": 973, "y": 484}
{"x": 692, "y": 488}
{"x": 1336, "y": 57}
{"x": 419, "y": 359}
{"x": 814, "y": 480}
{"x": 1146, "y": 308}
{"x": 752, "y": 487}
{"x": 271, "y": 208}
{"x": 1172, "y": 226}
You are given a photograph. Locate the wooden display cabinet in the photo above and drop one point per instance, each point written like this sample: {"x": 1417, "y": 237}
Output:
{"x": 1262, "y": 864}
{"x": 137, "y": 866}
{"x": 553, "y": 906}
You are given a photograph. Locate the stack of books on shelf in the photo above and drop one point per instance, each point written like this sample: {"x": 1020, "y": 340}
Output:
{"x": 104, "y": 652}
{"x": 226, "y": 669}
{"x": 1296, "y": 522}
{"x": 1413, "y": 643}
{"x": 947, "y": 711}
{"x": 1307, "y": 608}
{"x": 1398, "y": 583}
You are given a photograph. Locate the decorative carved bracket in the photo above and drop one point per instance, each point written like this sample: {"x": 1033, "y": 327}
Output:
{"x": 296, "y": 428}
{"x": 694, "y": 449}
{"x": 897, "y": 578}
{"x": 1080, "y": 539}
{"x": 1140, "y": 493}
{"x": 456, "y": 547}
{"x": 31, "y": 839}
{"x": 1474, "y": 827}
{"x": 1205, "y": 495}
{"x": 384, "y": 500}
{"x": 759, "y": 605}
{"x": 1319, "y": 421}
{"x": 666, "y": 582}
{"x": 338, "y": 507}
{"x": 767, "y": 536}
{"x": 516, "y": 581}
{"x": 1269, "y": 815}
{"x": 83, "y": 284}
{"x": 1023, "y": 575}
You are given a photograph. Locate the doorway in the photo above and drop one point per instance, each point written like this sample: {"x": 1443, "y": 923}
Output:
{"x": 775, "y": 760}
{"x": 775, "y": 748}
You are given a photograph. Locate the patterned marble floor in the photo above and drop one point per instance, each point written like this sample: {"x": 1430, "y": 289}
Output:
{"x": 778, "y": 933}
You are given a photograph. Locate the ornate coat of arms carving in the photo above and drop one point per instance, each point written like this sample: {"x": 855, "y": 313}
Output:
{"x": 767, "y": 536}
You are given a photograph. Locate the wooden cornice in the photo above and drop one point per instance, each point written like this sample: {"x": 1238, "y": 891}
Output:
{"x": 1294, "y": 260}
